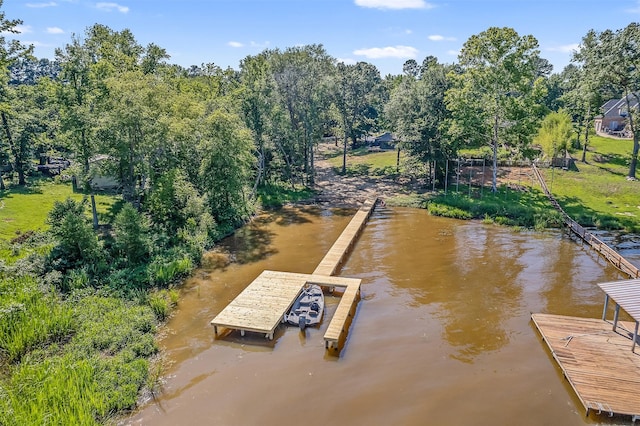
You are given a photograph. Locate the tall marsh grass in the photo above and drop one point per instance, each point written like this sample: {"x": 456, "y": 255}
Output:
{"x": 30, "y": 318}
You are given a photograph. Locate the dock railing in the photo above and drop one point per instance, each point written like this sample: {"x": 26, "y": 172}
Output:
{"x": 597, "y": 244}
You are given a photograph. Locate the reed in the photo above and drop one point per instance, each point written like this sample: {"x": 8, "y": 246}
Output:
{"x": 29, "y": 318}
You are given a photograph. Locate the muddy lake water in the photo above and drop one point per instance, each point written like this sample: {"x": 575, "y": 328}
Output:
{"x": 441, "y": 336}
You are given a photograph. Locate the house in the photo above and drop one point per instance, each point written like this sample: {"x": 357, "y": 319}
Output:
{"x": 383, "y": 141}
{"x": 614, "y": 115}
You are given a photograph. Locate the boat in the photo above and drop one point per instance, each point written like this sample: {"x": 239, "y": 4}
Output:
{"x": 308, "y": 308}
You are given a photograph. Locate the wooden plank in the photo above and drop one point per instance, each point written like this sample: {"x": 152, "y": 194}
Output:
{"x": 261, "y": 306}
{"x": 338, "y": 251}
{"x": 595, "y": 360}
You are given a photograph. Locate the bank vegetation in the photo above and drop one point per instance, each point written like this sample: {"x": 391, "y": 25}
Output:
{"x": 87, "y": 273}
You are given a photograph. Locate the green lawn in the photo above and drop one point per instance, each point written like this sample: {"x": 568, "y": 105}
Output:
{"x": 25, "y": 209}
{"x": 599, "y": 193}
{"x": 363, "y": 162}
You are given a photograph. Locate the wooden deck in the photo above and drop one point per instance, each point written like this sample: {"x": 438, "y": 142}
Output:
{"x": 262, "y": 306}
{"x": 596, "y": 361}
{"x": 338, "y": 252}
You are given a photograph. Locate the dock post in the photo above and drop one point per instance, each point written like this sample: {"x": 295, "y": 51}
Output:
{"x": 616, "y": 313}
{"x": 606, "y": 304}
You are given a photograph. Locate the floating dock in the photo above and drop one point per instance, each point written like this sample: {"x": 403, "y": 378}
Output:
{"x": 596, "y": 360}
{"x": 262, "y": 306}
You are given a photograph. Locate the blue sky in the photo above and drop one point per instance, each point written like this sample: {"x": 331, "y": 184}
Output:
{"x": 383, "y": 32}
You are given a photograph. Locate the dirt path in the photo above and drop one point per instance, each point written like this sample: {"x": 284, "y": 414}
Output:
{"x": 352, "y": 191}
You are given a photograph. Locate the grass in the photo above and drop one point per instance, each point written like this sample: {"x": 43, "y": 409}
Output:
{"x": 24, "y": 209}
{"x": 363, "y": 162}
{"x": 74, "y": 361}
{"x": 529, "y": 208}
{"x": 599, "y": 194}
{"x": 278, "y": 194}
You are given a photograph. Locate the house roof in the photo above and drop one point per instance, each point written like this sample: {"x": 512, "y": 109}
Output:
{"x": 386, "y": 137}
{"x": 613, "y": 106}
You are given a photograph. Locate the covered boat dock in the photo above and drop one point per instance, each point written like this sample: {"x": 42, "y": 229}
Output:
{"x": 598, "y": 357}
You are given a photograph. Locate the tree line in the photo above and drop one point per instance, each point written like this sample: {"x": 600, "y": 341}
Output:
{"x": 193, "y": 147}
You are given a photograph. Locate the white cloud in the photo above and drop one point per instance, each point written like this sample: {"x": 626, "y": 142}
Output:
{"x": 408, "y": 32}
{"x": 346, "y": 61}
{"x": 453, "y": 52}
{"x": 21, "y": 29}
{"x": 395, "y": 4}
{"x": 634, "y": 10}
{"x": 235, "y": 44}
{"x": 40, "y": 5}
{"x": 388, "y": 52}
{"x": 567, "y": 48}
{"x": 54, "y": 30}
{"x": 35, "y": 43}
{"x": 438, "y": 37}
{"x": 262, "y": 45}
{"x": 110, "y": 7}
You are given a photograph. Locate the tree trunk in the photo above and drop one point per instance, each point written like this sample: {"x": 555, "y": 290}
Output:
{"x": 586, "y": 135}
{"x": 636, "y": 145}
{"x": 344, "y": 154}
{"x": 2, "y": 187}
{"x": 19, "y": 166}
{"x": 494, "y": 181}
{"x": 94, "y": 211}
{"x": 398, "y": 161}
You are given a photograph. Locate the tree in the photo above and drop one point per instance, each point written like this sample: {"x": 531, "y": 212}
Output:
{"x": 495, "y": 89}
{"x": 613, "y": 58}
{"x": 416, "y": 111}
{"x": 131, "y": 235}
{"x": 354, "y": 93}
{"x": 225, "y": 169}
{"x": 11, "y": 51}
{"x": 77, "y": 245}
{"x": 258, "y": 89}
{"x": 302, "y": 75}
{"x": 582, "y": 99}
{"x": 554, "y": 135}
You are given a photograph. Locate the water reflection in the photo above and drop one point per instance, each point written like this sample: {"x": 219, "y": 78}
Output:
{"x": 441, "y": 335}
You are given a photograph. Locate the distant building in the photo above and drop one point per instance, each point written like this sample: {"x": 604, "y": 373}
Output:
{"x": 383, "y": 141}
{"x": 614, "y": 115}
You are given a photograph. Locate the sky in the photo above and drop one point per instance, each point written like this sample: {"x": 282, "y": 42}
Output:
{"x": 385, "y": 33}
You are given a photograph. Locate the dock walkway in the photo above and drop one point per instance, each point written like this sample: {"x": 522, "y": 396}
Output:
{"x": 598, "y": 245}
{"x": 262, "y": 305}
{"x": 596, "y": 361}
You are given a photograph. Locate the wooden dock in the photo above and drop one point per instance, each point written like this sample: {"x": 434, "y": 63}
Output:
{"x": 596, "y": 360}
{"x": 262, "y": 306}
{"x": 338, "y": 252}
{"x": 598, "y": 245}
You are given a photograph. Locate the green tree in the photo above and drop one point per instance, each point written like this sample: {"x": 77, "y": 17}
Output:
{"x": 131, "y": 235}
{"x": 226, "y": 167}
{"x": 11, "y": 51}
{"x": 495, "y": 90}
{"x": 354, "y": 93}
{"x": 258, "y": 89}
{"x": 416, "y": 111}
{"x": 612, "y": 58}
{"x": 302, "y": 75}
{"x": 554, "y": 135}
{"x": 77, "y": 246}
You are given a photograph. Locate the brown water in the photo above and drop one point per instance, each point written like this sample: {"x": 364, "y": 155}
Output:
{"x": 442, "y": 335}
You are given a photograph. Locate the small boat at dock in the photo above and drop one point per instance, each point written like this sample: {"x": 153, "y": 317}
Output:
{"x": 308, "y": 308}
